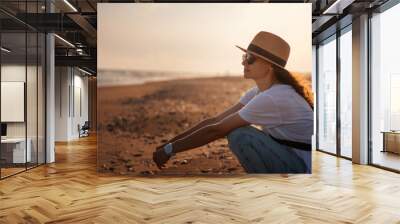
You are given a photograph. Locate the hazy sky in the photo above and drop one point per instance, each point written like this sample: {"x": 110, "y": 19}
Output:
{"x": 197, "y": 37}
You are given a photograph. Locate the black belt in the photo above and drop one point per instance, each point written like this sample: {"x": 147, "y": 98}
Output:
{"x": 297, "y": 145}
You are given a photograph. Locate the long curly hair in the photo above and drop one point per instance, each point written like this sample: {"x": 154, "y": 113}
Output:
{"x": 299, "y": 83}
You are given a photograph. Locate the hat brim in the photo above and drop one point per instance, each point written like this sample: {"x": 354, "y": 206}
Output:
{"x": 260, "y": 56}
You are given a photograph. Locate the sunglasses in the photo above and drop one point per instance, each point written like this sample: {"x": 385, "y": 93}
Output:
{"x": 249, "y": 58}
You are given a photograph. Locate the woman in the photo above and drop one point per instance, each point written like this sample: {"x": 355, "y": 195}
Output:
{"x": 279, "y": 103}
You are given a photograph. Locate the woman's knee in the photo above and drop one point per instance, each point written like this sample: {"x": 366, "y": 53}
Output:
{"x": 235, "y": 135}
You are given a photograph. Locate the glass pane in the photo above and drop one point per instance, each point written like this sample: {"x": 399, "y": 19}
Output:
{"x": 346, "y": 94}
{"x": 31, "y": 85}
{"x": 13, "y": 86}
{"x": 31, "y": 97}
{"x": 327, "y": 97}
{"x": 385, "y": 86}
{"x": 41, "y": 98}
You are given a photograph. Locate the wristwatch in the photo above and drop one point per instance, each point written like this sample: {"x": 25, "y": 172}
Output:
{"x": 168, "y": 149}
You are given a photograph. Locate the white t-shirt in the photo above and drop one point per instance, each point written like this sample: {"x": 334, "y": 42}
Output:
{"x": 282, "y": 113}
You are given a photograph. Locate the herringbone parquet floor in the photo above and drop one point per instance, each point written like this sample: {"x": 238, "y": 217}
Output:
{"x": 70, "y": 191}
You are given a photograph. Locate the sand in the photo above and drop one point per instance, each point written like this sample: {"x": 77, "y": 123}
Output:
{"x": 134, "y": 119}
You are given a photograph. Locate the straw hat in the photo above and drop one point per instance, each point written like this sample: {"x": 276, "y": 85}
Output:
{"x": 270, "y": 47}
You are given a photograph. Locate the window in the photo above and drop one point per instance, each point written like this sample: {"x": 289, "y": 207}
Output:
{"x": 385, "y": 88}
{"x": 22, "y": 87}
{"x": 346, "y": 93}
{"x": 327, "y": 96}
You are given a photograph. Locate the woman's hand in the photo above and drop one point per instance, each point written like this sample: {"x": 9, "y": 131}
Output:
{"x": 162, "y": 145}
{"x": 160, "y": 157}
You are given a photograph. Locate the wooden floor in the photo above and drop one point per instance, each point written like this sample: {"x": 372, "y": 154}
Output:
{"x": 70, "y": 191}
{"x": 387, "y": 159}
{"x": 5, "y": 172}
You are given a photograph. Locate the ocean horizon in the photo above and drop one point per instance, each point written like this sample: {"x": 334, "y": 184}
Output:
{"x": 109, "y": 78}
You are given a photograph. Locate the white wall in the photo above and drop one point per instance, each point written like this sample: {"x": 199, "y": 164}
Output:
{"x": 33, "y": 126}
{"x": 71, "y": 93}
{"x": 12, "y": 73}
{"x": 62, "y": 81}
{"x": 80, "y": 109}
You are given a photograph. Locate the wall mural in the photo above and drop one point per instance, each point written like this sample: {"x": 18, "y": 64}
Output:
{"x": 204, "y": 89}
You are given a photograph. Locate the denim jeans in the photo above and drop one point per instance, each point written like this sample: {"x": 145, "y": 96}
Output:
{"x": 259, "y": 153}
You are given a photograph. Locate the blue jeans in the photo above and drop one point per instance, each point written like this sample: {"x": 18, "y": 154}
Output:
{"x": 259, "y": 153}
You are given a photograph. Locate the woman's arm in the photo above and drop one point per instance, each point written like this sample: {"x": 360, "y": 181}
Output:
{"x": 206, "y": 122}
{"x": 209, "y": 133}
{"x": 201, "y": 137}
{"x": 189, "y": 131}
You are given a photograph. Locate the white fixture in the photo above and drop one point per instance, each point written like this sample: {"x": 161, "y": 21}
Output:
{"x": 64, "y": 40}
{"x": 338, "y": 6}
{"x": 5, "y": 50}
{"x": 70, "y": 5}
{"x": 86, "y": 72}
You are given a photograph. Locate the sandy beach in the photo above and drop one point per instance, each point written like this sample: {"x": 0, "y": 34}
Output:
{"x": 134, "y": 119}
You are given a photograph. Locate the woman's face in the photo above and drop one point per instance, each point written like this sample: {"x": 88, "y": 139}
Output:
{"x": 255, "y": 67}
